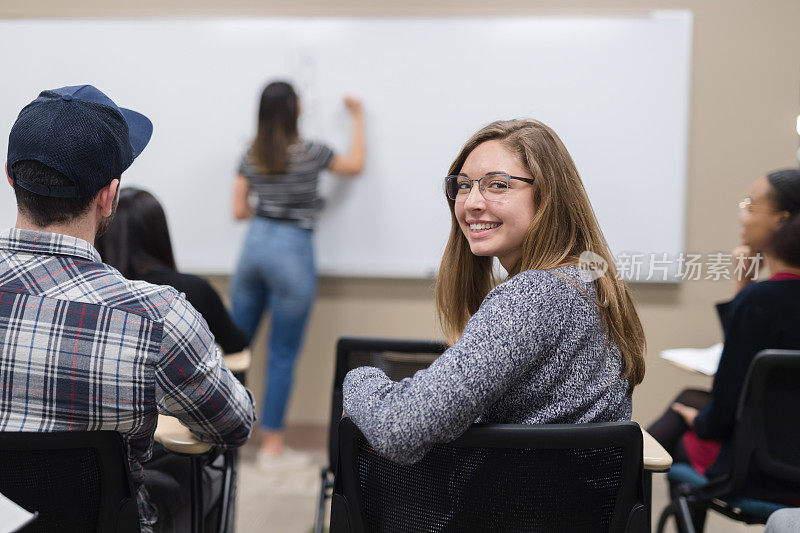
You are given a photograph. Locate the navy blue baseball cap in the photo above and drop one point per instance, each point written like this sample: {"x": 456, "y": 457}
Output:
{"x": 81, "y": 133}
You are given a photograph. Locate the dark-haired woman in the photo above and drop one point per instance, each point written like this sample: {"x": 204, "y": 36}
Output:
{"x": 276, "y": 269}
{"x": 137, "y": 244}
{"x": 698, "y": 426}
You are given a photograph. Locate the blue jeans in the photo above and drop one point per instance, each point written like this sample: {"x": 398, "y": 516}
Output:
{"x": 276, "y": 272}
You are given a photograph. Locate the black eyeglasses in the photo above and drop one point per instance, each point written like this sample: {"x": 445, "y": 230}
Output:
{"x": 492, "y": 186}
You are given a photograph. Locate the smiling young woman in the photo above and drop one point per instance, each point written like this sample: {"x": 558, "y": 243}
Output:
{"x": 547, "y": 225}
{"x": 550, "y": 344}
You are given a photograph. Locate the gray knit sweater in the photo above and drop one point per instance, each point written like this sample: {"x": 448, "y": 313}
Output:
{"x": 534, "y": 353}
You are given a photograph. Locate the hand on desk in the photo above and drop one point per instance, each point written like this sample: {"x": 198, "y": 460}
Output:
{"x": 687, "y": 413}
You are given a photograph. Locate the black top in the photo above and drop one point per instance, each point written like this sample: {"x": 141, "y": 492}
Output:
{"x": 205, "y": 299}
{"x": 763, "y": 315}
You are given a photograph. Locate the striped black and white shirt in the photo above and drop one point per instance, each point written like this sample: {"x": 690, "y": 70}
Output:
{"x": 292, "y": 196}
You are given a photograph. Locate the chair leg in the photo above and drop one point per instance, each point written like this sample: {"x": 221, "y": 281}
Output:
{"x": 323, "y": 496}
{"x": 668, "y": 511}
{"x": 197, "y": 462}
{"x": 684, "y": 516}
{"x": 679, "y": 508}
{"x": 227, "y": 502}
{"x": 648, "y": 497}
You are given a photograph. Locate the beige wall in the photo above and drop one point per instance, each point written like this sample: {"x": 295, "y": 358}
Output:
{"x": 744, "y": 100}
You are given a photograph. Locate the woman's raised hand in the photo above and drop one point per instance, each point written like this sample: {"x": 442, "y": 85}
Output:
{"x": 748, "y": 263}
{"x": 352, "y": 163}
{"x": 353, "y": 105}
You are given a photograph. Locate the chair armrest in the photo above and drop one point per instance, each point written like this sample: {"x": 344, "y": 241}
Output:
{"x": 239, "y": 361}
{"x": 176, "y": 437}
{"x": 655, "y": 457}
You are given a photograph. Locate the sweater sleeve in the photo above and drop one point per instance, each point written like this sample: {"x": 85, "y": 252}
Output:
{"x": 518, "y": 322}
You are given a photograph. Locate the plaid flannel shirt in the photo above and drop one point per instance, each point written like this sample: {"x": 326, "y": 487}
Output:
{"x": 83, "y": 348}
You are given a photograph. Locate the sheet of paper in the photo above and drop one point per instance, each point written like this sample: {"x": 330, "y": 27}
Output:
{"x": 12, "y": 516}
{"x": 705, "y": 360}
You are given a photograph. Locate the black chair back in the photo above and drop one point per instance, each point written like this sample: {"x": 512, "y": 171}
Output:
{"x": 768, "y": 424}
{"x": 545, "y": 478}
{"x": 398, "y": 358}
{"x": 76, "y": 481}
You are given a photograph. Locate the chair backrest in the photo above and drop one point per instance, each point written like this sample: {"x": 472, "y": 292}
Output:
{"x": 398, "y": 358}
{"x": 559, "y": 477}
{"x": 768, "y": 420}
{"x": 76, "y": 481}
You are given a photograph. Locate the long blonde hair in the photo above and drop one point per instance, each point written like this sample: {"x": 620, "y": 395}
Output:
{"x": 563, "y": 227}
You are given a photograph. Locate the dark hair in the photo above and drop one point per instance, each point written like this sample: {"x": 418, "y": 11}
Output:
{"x": 785, "y": 244}
{"x": 277, "y": 127}
{"x": 46, "y": 210}
{"x": 137, "y": 242}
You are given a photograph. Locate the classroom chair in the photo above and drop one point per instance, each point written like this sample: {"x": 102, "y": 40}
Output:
{"x": 767, "y": 437}
{"x": 496, "y": 478}
{"x": 74, "y": 481}
{"x": 398, "y": 358}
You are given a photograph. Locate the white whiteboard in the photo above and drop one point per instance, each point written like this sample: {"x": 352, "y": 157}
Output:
{"x": 616, "y": 89}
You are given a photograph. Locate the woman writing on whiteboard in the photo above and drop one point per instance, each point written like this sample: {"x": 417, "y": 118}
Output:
{"x": 276, "y": 270}
{"x": 553, "y": 343}
{"x": 696, "y": 429}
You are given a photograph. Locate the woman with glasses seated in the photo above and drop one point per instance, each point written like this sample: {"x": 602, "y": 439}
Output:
{"x": 276, "y": 270}
{"x": 698, "y": 426}
{"x": 552, "y": 343}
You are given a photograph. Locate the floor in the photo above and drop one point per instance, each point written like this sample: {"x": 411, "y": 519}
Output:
{"x": 288, "y": 506}
{"x": 267, "y": 505}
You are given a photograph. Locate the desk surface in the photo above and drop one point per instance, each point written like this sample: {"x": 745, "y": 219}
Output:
{"x": 656, "y": 458}
{"x": 702, "y": 361}
{"x": 176, "y": 437}
{"x": 687, "y": 368}
{"x": 239, "y": 361}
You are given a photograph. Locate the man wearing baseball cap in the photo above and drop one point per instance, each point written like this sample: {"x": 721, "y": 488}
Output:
{"x": 82, "y": 347}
